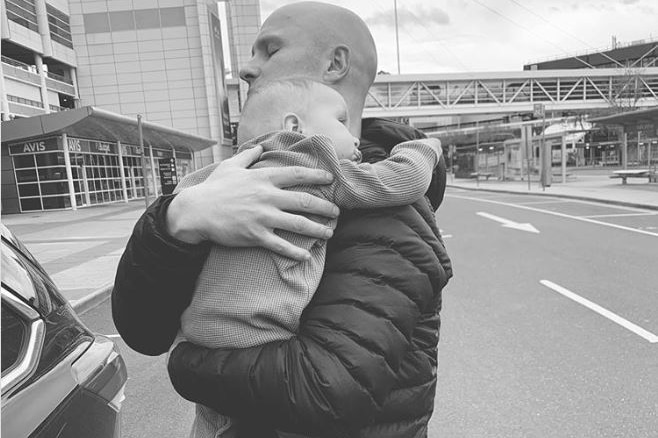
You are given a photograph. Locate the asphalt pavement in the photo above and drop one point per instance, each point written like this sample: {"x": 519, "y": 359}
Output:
{"x": 549, "y": 325}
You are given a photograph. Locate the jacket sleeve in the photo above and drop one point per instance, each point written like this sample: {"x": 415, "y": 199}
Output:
{"x": 333, "y": 376}
{"x": 154, "y": 282}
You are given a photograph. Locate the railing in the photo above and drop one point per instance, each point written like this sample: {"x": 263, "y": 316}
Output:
{"x": 24, "y": 101}
{"x": 477, "y": 93}
{"x": 592, "y": 51}
{"x": 501, "y": 92}
{"x": 59, "y": 78}
{"x": 19, "y": 64}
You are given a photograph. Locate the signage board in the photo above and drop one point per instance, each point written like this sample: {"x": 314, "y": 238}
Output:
{"x": 168, "y": 177}
{"x": 34, "y": 146}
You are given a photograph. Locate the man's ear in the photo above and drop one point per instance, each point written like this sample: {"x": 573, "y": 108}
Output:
{"x": 339, "y": 64}
{"x": 291, "y": 122}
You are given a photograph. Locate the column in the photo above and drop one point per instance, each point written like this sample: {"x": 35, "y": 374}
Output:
{"x": 44, "y": 29}
{"x": 3, "y": 92}
{"x": 122, "y": 173}
{"x": 564, "y": 158}
{"x": 74, "y": 79}
{"x": 624, "y": 150}
{"x": 43, "y": 88}
{"x": 69, "y": 173}
{"x": 155, "y": 186}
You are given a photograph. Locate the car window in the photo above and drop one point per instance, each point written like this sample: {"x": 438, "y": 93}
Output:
{"x": 14, "y": 337}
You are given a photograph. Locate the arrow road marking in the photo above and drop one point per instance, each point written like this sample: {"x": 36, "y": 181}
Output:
{"x": 602, "y": 311}
{"x": 555, "y": 213}
{"x": 508, "y": 223}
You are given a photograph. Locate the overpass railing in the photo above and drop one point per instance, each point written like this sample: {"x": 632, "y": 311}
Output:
{"x": 492, "y": 92}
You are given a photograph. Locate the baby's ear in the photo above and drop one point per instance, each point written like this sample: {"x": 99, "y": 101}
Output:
{"x": 292, "y": 123}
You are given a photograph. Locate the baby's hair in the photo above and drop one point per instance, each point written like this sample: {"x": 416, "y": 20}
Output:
{"x": 293, "y": 91}
{"x": 269, "y": 101}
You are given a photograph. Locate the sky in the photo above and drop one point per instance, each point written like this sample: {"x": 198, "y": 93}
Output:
{"x": 442, "y": 36}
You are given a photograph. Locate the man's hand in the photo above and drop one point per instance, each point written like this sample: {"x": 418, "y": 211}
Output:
{"x": 241, "y": 207}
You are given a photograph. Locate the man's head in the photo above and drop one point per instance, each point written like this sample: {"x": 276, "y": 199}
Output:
{"x": 321, "y": 42}
{"x": 298, "y": 105}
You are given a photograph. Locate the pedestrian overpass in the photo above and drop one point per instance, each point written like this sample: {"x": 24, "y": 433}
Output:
{"x": 453, "y": 94}
{"x": 511, "y": 92}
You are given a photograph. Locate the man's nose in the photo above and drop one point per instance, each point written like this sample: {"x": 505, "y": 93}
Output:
{"x": 249, "y": 73}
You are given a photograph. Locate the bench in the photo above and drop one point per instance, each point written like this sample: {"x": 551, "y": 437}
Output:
{"x": 478, "y": 175}
{"x": 636, "y": 173}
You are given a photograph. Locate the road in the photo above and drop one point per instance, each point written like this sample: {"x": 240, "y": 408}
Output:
{"x": 551, "y": 332}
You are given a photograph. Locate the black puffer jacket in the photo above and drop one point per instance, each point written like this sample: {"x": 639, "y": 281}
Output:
{"x": 364, "y": 361}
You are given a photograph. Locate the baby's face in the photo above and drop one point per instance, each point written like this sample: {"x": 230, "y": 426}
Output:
{"x": 328, "y": 117}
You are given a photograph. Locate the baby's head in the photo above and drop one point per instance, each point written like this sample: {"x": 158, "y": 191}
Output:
{"x": 298, "y": 105}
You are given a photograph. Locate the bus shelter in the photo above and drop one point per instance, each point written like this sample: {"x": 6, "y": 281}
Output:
{"x": 639, "y": 136}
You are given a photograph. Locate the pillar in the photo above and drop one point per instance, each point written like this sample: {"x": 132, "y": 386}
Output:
{"x": 624, "y": 150}
{"x": 563, "y": 155}
{"x": 69, "y": 173}
{"x": 122, "y": 173}
{"x": 42, "y": 88}
{"x": 155, "y": 186}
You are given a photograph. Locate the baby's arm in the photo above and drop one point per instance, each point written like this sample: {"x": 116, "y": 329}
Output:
{"x": 401, "y": 179}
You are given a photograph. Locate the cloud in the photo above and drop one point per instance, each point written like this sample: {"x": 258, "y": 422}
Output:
{"x": 418, "y": 16}
{"x": 630, "y": 2}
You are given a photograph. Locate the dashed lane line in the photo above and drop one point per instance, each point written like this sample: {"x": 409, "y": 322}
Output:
{"x": 620, "y": 215}
{"x": 555, "y": 213}
{"x": 601, "y": 311}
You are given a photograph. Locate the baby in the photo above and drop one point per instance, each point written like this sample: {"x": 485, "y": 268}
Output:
{"x": 249, "y": 296}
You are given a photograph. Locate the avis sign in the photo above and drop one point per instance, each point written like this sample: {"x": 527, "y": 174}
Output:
{"x": 34, "y": 146}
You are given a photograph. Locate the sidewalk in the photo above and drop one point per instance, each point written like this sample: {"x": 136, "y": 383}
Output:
{"x": 79, "y": 249}
{"x": 587, "y": 185}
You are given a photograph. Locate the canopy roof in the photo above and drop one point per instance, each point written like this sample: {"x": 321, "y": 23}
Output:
{"x": 649, "y": 115}
{"x": 97, "y": 124}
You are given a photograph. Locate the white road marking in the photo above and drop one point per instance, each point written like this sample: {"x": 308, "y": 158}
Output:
{"x": 561, "y": 201}
{"x": 112, "y": 336}
{"x": 621, "y": 215}
{"x": 508, "y": 223}
{"x": 602, "y": 311}
{"x": 446, "y": 236}
{"x": 555, "y": 213}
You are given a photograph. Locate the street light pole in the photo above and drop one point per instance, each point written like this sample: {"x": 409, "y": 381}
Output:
{"x": 397, "y": 36}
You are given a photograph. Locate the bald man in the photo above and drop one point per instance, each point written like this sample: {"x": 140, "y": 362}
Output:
{"x": 363, "y": 362}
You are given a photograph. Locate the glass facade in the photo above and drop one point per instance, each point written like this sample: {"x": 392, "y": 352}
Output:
{"x": 42, "y": 182}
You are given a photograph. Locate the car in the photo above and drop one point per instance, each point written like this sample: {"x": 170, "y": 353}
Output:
{"x": 58, "y": 378}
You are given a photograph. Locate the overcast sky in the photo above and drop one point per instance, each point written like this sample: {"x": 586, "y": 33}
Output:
{"x": 494, "y": 35}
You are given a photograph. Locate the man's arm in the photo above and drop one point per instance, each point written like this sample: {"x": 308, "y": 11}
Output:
{"x": 401, "y": 179}
{"x": 234, "y": 206}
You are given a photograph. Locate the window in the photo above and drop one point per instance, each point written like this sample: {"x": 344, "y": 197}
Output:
{"x": 14, "y": 338}
{"x": 122, "y": 20}
{"x": 22, "y": 12}
{"x": 147, "y": 19}
{"x": 117, "y": 21}
{"x": 172, "y": 17}
{"x": 60, "y": 28}
{"x": 96, "y": 23}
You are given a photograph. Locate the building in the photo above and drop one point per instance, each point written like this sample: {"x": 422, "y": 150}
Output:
{"x": 159, "y": 58}
{"x": 637, "y": 54}
{"x": 88, "y": 156}
{"x": 75, "y": 75}
{"x": 38, "y": 69}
